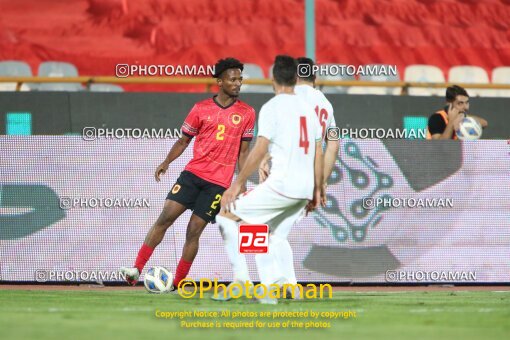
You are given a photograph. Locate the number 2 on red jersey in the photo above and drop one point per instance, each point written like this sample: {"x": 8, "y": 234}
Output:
{"x": 303, "y": 134}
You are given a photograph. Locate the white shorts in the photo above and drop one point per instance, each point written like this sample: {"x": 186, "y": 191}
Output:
{"x": 263, "y": 205}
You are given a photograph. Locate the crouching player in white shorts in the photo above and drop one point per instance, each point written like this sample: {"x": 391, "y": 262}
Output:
{"x": 289, "y": 130}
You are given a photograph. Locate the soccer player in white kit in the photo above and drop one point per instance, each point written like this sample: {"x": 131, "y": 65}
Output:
{"x": 289, "y": 130}
{"x": 305, "y": 89}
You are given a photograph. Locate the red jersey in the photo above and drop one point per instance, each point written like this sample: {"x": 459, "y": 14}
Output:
{"x": 219, "y": 132}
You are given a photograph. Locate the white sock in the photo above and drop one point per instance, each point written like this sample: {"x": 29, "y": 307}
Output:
{"x": 267, "y": 265}
{"x": 267, "y": 269}
{"x": 230, "y": 230}
{"x": 283, "y": 252}
{"x": 285, "y": 260}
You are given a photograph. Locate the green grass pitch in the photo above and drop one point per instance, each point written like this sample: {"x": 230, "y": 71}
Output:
{"x": 125, "y": 314}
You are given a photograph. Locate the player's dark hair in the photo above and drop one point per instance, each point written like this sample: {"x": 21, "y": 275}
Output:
{"x": 453, "y": 91}
{"x": 224, "y": 64}
{"x": 284, "y": 70}
{"x": 307, "y": 61}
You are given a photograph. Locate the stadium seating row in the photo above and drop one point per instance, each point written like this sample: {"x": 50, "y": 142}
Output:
{"x": 412, "y": 73}
{"x": 48, "y": 69}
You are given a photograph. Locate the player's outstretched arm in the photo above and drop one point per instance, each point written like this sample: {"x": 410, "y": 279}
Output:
{"x": 252, "y": 163}
{"x": 253, "y": 160}
{"x": 330, "y": 155}
{"x": 243, "y": 155}
{"x": 176, "y": 150}
{"x": 318, "y": 177}
{"x": 264, "y": 168}
{"x": 244, "y": 151}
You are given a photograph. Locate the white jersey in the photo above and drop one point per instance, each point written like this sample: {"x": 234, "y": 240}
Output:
{"x": 321, "y": 105}
{"x": 292, "y": 128}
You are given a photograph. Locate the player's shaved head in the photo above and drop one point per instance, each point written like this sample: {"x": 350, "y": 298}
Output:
{"x": 224, "y": 64}
{"x": 284, "y": 70}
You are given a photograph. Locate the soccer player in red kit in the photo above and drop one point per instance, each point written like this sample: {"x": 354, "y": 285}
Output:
{"x": 223, "y": 126}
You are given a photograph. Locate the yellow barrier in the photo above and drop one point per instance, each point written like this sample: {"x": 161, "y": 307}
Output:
{"x": 211, "y": 81}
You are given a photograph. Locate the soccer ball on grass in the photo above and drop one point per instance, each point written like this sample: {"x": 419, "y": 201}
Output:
{"x": 158, "y": 280}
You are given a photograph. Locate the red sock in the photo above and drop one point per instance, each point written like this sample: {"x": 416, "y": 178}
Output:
{"x": 181, "y": 271}
{"x": 144, "y": 254}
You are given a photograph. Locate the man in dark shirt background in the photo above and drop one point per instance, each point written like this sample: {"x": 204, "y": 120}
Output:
{"x": 443, "y": 123}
